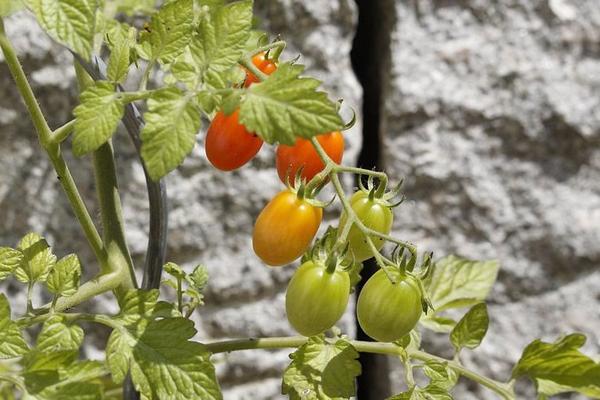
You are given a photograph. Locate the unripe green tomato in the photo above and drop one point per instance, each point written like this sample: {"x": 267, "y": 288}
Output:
{"x": 375, "y": 214}
{"x": 388, "y": 311}
{"x": 316, "y": 299}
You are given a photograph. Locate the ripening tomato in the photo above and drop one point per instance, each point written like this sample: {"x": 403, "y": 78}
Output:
{"x": 375, "y": 214}
{"x": 267, "y": 66}
{"x": 285, "y": 228}
{"x": 228, "y": 143}
{"x": 316, "y": 298}
{"x": 387, "y": 311}
{"x": 302, "y": 154}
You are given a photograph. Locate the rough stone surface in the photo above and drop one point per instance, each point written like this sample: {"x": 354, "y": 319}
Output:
{"x": 211, "y": 212}
{"x": 493, "y": 119}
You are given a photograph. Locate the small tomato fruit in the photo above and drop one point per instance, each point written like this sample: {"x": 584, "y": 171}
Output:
{"x": 266, "y": 65}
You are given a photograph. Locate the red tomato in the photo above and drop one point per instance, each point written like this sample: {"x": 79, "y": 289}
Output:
{"x": 302, "y": 154}
{"x": 228, "y": 143}
{"x": 267, "y": 66}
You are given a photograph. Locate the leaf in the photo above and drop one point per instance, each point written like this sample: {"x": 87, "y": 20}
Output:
{"x": 170, "y": 30}
{"x": 64, "y": 277}
{"x": 8, "y": 7}
{"x": 549, "y": 388}
{"x": 76, "y": 381}
{"x": 560, "y": 362}
{"x": 137, "y": 304}
{"x": 58, "y": 335}
{"x": 438, "y": 323}
{"x": 164, "y": 363}
{"x": 457, "y": 282}
{"x": 321, "y": 370}
{"x": 119, "y": 60}
{"x": 12, "y": 343}
{"x": 172, "y": 121}
{"x": 220, "y": 41}
{"x": 199, "y": 277}
{"x": 70, "y": 22}
{"x": 440, "y": 375}
{"x": 471, "y": 329}
{"x": 285, "y": 106}
{"x": 133, "y": 7}
{"x": 97, "y": 117}
{"x": 174, "y": 270}
{"x": 37, "y": 259}
{"x": 9, "y": 260}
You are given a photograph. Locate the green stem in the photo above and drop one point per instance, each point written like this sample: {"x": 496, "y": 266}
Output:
{"x": 363, "y": 347}
{"x": 90, "y": 289}
{"x": 146, "y": 76}
{"x": 247, "y": 63}
{"x": 119, "y": 259}
{"x": 29, "y": 294}
{"x": 179, "y": 295}
{"x": 61, "y": 134}
{"x": 279, "y": 46}
{"x": 53, "y": 149}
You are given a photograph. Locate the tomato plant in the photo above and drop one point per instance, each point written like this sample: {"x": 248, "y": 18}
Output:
{"x": 289, "y": 159}
{"x": 387, "y": 311}
{"x": 228, "y": 143}
{"x": 316, "y": 298}
{"x": 285, "y": 228}
{"x": 195, "y": 50}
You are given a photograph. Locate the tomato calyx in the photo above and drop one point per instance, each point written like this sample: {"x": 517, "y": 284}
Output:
{"x": 378, "y": 193}
{"x": 325, "y": 252}
{"x": 306, "y": 191}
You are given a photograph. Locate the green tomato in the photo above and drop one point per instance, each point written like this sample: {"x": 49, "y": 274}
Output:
{"x": 315, "y": 298}
{"x": 388, "y": 311}
{"x": 375, "y": 214}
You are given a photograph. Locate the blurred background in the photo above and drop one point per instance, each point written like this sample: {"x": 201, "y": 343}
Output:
{"x": 490, "y": 111}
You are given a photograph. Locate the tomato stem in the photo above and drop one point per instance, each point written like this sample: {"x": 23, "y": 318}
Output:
{"x": 227, "y": 346}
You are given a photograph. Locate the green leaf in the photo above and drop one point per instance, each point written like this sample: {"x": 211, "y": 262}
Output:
{"x": 172, "y": 121}
{"x": 76, "y": 381}
{"x": 70, "y": 22}
{"x": 119, "y": 60}
{"x": 174, "y": 270}
{"x": 97, "y": 117}
{"x": 471, "y": 329}
{"x": 133, "y": 7}
{"x": 199, "y": 277}
{"x": 220, "y": 41}
{"x": 137, "y": 304}
{"x": 64, "y": 277}
{"x": 170, "y": 30}
{"x": 549, "y": 388}
{"x": 431, "y": 392}
{"x": 37, "y": 261}
{"x": 457, "y": 282}
{"x": 285, "y": 106}
{"x": 8, "y": 7}
{"x": 9, "y": 260}
{"x": 164, "y": 363}
{"x": 12, "y": 343}
{"x": 560, "y": 362}
{"x": 440, "y": 375}
{"x": 322, "y": 370}
{"x": 438, "y": 323}
{"x": 58, "y": 335}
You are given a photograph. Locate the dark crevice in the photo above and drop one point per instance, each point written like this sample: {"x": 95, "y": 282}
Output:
{"x": 370, "y": 57}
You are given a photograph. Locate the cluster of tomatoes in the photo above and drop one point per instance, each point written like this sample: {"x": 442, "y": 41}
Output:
{"x": 318, "y": 293}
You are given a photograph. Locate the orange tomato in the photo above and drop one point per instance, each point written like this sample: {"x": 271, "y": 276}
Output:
{"x": 266, "y": 65}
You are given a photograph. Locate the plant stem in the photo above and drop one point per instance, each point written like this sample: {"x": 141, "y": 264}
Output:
{"x": 61, "y": 134}
{"x": 53, "y": 149}
{"x": 247, "y": 63}
{"x": 363, "y": 347}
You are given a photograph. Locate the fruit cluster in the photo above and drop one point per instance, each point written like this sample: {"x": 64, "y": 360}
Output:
{"x": 390, "y": 304}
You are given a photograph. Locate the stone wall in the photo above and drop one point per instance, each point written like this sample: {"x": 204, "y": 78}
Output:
{"x": 491, "y": 115}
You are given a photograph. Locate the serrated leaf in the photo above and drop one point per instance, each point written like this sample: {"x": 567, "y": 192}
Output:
{"x": 172, "y": 121}
{"x": 220, "y": 41}
{"x": 560, "y": 362}
{"x": 137, "y": 304}
{"x": 169, "y": 30}
{"x": 135, "y": 7}
{"x": 97, "y": 117}
{"x": 471, "y": 329}
{"x": 286, "y": 105}
{"x": 8, "y": 7}
{"x": 118, "y": 62}
{"x": 9, "y": 260}
{"x": 78, "y": 381}
{"x": 70, "y": 22}
{"x": 457, "y": 282}
{"x": 12, "y": 343}
{"x": 438, "y": 323}
{"x": 64, "y": 278}
{"x": 199, "y": 277}
{"x": 321, "y": 370}
{"x": 37, "y": 261}
{"x": 58, "y": 335}
{"x": 440, "y": 375}
{"x": 549, "y": 388}
{"x": 433, "y": 392}
{"x": 164, "y": 363}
